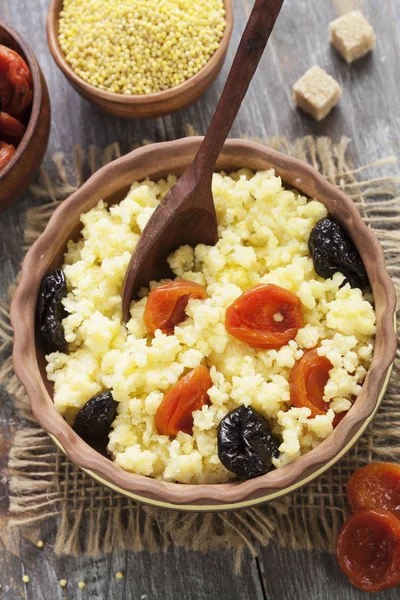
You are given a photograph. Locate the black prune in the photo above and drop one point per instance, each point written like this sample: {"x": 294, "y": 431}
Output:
{"x": 50, "y": 311}
{"x": 95, "y": 418}
{"x": 332, "y": 251}
{"x": 245, "y": 443}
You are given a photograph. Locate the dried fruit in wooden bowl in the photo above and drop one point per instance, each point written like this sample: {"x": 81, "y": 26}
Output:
{"x": 175, "y": 412}
{"x": 266, "y": 316}
{"x": 24, "y": 115}
{"x": 246, "y": 445}
{"x": 332, "y": 251}
{"x": 167, "y": 303}
{"x": 50, "y": 311}
{"x": 16, "y": 96}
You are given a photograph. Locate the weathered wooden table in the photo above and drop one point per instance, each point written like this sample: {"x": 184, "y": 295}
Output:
{"x": 369, "y": 113}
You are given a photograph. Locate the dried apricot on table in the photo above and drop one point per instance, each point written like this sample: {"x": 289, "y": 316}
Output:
{"x": 368, "y": 550}
{"x": 167, "y": 303}
{"x": 266, "y": 316}
{"x": 375, "y": 486}
{"x": 308, "y": 379}
{"x": 190, "y": 393}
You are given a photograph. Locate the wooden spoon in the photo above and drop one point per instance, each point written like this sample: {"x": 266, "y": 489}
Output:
{"x": 186, "y": 215}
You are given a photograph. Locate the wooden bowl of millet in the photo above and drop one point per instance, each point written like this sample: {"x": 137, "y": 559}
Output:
{"x": 19, "y": 171}
{"x": 140, "y": 106}
{"x": 111, "y": 184}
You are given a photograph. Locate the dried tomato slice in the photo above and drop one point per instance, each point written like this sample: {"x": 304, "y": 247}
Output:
{"x": 166, "y": 304}
{"x": 15, "y": 82}
{"x": 6, "y": 153}
{"x": 368, "y": 550}
{"x": 307, "y": 381}
{"x": 190, "y": 393}
{"x": 375, "y": 486}
{"x": 11, "y": 127}
{"x": 251, "y": 317}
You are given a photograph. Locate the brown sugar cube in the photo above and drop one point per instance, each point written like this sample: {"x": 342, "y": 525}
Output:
{"x": 352, "y": 35}
{"x": 316, "y": 92}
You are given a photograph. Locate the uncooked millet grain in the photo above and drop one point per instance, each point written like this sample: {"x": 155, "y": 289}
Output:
{"x": 139, "y": 46}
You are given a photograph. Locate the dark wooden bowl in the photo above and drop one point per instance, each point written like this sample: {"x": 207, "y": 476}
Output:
{"x": 16, "y": 176}
{"x": 146, "y": 105}
{"x": 111, "y": 183}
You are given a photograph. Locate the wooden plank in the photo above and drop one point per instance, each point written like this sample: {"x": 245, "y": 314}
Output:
{"x": 305, "y": 575}
{"x": 174, "y": 575}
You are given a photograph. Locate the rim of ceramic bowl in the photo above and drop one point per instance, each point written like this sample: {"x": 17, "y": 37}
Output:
{"x": 31, "y": 61}
{"x": 134, "y": 99}
{"x": 223, "y": 496}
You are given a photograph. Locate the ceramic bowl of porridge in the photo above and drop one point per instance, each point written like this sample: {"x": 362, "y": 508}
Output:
{"x": 241, "y": 377}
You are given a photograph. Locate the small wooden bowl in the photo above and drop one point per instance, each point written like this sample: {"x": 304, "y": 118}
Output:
{"x": 147, "y": 105}
{"x": 111, "y": 183}
{"x": 16, "y": 176}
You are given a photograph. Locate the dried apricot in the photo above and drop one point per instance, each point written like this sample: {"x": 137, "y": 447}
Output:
{"x": 167, "y": 303}
{"x": 190, "y": 393}
{"x": 266, "y": 316}
{"x": 375, "y": 486}
{"x": 11, "y": 127}
{"x": 6, "y": 153}
{"x": 368, "y": 550}
{"x": 15, "y": 82}
{"x": 338, "y": 418}
{"x": 308, "y": 379}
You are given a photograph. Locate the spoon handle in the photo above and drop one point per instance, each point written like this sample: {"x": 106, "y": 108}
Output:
{"x": 254, "y": 39}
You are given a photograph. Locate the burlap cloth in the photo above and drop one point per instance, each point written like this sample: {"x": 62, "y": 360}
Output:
{"x": 89, "y": 518}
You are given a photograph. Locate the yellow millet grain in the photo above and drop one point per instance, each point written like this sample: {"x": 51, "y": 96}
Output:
{"x": 139, "y": 46}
